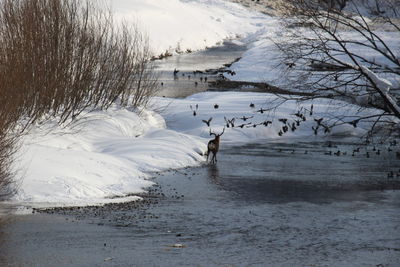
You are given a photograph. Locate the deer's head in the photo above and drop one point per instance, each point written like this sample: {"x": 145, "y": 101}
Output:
{"x": 217, "y": 135}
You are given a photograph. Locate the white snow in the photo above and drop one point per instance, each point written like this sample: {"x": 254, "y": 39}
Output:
{"x": 262, "y": 62}
{"x": 104, "y": 155}
{"x": 109, "y": 155}
{"x": 237, "y": 105}
{"x": 178, "y": 26}
{"x": 383, "y": 84}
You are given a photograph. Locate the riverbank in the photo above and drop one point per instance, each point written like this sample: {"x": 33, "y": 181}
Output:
{"x": 108, "y": 156}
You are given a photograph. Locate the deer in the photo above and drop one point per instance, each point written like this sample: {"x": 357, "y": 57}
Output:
{"x": 213, "y": 146}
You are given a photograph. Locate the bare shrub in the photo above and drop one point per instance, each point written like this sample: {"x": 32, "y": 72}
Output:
{"x": 346, "y": 54}
{"x": 8, "y": 120}
{"x": 60, "y": 57}
{"x": 7, "y": 148}
{"x": 6, "y": 151}
{"x": 293, "y": 7}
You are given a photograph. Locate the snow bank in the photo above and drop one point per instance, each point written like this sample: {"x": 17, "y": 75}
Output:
{"x": 179, "y": 116}
{"x": 103, "y": 157}
{"x": 262, "y": 62}
{"x": 109, "y": 155}
{"x": 178, "y": 26}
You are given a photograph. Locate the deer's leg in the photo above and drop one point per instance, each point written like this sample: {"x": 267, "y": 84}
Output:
{"x": 208, "y": 154}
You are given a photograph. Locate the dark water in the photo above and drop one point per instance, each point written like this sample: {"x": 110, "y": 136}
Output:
{"x": 186, "y": 82}
{"x": 262, "y": 205}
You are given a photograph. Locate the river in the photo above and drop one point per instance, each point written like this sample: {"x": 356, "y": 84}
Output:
{"x": 262, "y": 204}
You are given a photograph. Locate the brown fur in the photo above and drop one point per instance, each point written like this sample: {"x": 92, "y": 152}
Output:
{"x": 213, "y": 146}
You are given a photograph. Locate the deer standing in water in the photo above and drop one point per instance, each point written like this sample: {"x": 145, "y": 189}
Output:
{"x": 213, "y": 146}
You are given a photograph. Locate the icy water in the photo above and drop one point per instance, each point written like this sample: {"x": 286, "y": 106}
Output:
{"x": 195, "y": 69}
{"x": 269, "y": 204}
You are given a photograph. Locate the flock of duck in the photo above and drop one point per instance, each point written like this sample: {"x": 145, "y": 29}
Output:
{"x": 245, "y": 121}
{"x": 293, "y": 124}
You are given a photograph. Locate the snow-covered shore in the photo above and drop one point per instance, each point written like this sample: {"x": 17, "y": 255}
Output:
{"x": 104, "y": 155}
{"x": 109, "y": 155}
{"x": 180, "y": 26}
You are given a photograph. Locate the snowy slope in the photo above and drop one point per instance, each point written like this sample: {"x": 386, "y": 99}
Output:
{"x": 236, "y": 105}
{"x": 181, "y": 25}
{"x": 103, "y": 155}
{"x": 262, "y": 61}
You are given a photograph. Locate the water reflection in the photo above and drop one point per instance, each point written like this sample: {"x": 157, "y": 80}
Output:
{"x": 286, "y": 191}
{"x": 184, "y": 75}
{"x": 5, "y": 222}
{"x": 273, "y": 173}
{"x": 213, "y": 173}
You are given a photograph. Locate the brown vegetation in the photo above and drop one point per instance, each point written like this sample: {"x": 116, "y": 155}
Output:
{"x": 7, "y": 145}
{"x": 61, "y": 57}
